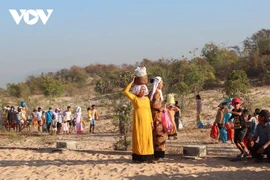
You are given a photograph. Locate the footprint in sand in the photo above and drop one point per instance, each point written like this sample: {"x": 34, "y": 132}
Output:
{"x": 142, "y": 171}
{"x": 114, "y": 170}
{"x": 123, "y": 170}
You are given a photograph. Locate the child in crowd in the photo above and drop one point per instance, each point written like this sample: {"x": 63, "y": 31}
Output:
{"x": 240, "y": 128}
{"x": 65, "y": 127}
{"x": 220, "y": 122}
{"x": 246, "y": 117}
{"x": 251, "y": 127}
{"x": 252, "y": 123}
{"x": 89, "y": 115}
{"x": 44, "y": 126}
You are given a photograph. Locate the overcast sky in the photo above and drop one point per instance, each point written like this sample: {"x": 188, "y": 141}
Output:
{"x": 119, "y": 31}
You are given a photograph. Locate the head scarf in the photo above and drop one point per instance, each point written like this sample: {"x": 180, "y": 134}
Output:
{"x": 137, "y": 88}
{"x": 157, "y": 80}
{"x": 79, "y": 109}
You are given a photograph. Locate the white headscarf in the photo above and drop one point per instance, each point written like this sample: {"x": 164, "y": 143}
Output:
{"x": 137, "y": 88}
{"x": 157, "y": 80}
{"x": 79, "y": 109}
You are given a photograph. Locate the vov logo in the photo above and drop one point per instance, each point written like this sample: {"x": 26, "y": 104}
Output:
{"x": 36, "y": 15}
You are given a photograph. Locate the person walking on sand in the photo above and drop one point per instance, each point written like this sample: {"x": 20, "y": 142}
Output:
{"x": 49, "y": 118}
{"x": 20, "y": 120}
{"x": 142, "y": 124}
{"x": 177, "y": 115}
{"x": 219, "y": 121}
{"x": 44, "y": 125}
{"x": 78, "y": 117}
{"x": 39, "y": 119}
{"x": 159, "y": 133}
{"x": 67, "y": 117}
{"x": 59, "y": 121}
{"x": 34, "y": 118}
{"x": 89, "y": 115}
{"x": 199, "y": 111}
{"x": 12, "y": 119}
{"x": 95, "y": 116}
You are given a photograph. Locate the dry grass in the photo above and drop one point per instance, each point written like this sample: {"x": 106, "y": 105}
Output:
{"x": 264, "y": 101}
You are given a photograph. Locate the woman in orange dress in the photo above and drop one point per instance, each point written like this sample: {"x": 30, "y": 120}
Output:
{"x": 159, "y": 133}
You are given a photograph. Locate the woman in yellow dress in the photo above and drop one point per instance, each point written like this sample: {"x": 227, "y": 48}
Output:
{"x": 159, "y": 133}
{"x": 142, "y": 139}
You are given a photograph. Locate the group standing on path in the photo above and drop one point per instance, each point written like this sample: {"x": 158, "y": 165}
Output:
{"x": 53, "y": 122}
{"x": 148, "y": 133}
{"x": 250, "y": 134}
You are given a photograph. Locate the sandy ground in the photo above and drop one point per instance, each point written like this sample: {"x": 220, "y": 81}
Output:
{"x": 22, "y": 164}
{"x": 96, "y": 159}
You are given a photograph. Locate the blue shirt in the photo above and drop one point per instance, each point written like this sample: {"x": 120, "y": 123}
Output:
{"x": 263, "y": 132}
{"x": 226, "y": 117}
{"x": 49, "y": 115}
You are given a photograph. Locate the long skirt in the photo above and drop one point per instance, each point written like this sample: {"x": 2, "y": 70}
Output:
{"x": 79, "y": 127}
{"x": 159, "y": 136}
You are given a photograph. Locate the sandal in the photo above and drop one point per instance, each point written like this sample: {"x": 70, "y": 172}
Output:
{"x": 239, "y": 155}
{"x": 245, "y": 154}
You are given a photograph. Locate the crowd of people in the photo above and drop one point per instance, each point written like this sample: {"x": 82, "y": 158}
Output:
{"x": 251, "y": 135}
{"x": 249, "y": 132}
{"x": 53, "y": 122}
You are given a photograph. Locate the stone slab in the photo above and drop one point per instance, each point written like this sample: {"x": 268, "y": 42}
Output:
{"x": 194, "y": 150}
{"x": 66, "y": 145}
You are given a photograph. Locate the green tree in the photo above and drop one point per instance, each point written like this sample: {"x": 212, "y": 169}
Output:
{"x": 103, "y": 86}
{"x": 259, "y": 41}
{"x": 18, "y": 90}
{"x": 63, "y": 75}
{"x": 257, "y": 53}
{"x": 33, "y": 83}
{"x": 51, "y": 86}
{"x": 78, "y": 75}
{"x": 222, "y": 59}
{"x": 196, "y": 74}
{"x": 237, "y": 84}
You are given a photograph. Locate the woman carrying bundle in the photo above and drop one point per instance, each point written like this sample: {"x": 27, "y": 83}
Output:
{"x": 142, "y": 139}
